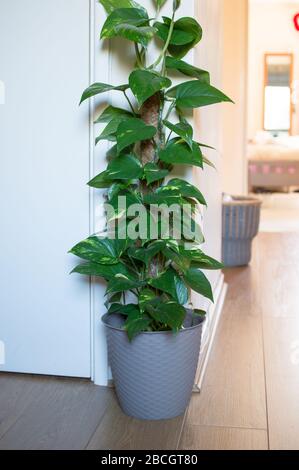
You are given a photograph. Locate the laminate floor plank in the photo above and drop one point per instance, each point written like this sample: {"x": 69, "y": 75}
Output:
{"x": 17, "y": 392}
{"x": 282, "y": 375}
{"x": 63, "y": 416}
{"x": 119, "y": 432}
{"x": 221, "y": 438}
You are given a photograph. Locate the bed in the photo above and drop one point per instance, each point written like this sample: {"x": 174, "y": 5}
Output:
{"x": 274, "y": 164}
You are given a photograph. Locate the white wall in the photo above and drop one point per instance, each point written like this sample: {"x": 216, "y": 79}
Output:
{"x": 271, "y": 29}
{"x": 234, "y": 117}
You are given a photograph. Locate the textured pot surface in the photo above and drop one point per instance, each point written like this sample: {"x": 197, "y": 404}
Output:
{"x": 240, "y": 224}
{"x": 154, "y": 374}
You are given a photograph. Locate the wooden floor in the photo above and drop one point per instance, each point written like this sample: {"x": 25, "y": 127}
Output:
{"x": 250, "y": 396}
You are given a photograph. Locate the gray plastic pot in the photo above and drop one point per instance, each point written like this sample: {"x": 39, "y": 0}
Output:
{"x": 240, "y": 224}
{"x": 154, "y": 374}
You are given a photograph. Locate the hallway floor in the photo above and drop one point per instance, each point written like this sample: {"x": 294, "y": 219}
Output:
{"x": 250, "y": 393}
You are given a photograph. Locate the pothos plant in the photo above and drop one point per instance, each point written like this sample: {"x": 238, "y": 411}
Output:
{"x": 159, "y": 273}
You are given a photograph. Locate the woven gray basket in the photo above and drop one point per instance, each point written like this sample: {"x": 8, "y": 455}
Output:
{"x": 240, "y": 224}
{"x": 154, "y": 374}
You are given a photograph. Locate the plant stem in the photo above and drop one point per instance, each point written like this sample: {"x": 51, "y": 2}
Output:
{"x": 138, "y": 56}
{"x": 130, "y": 104}
{"x": 165, "y": 48}
{"x": 171, "y": 107}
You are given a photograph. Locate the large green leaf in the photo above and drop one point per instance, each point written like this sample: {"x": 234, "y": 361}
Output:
{"x": 183, "y": 129}
{"x": 111, "y": 112}
{"x": 187, "y": 190}
{"x": 136, "y": 323}
{"x": 178, "y": 152}
{"x": 195, "y": 94}
{"x": 132, "y": 131}
{"x": 153, "y": 172}
{"x": 196, "y": 279}
{"x": 98, "y": 88}
{"x": 122, "y": 283}
{"x": 129, "y": 23}
{"x": 164, "y": 195}
{"x": 99, "y": 250}
{"x": 186, "y": 34}
{"x": 169, "y": 314}
{"x": 100, "y": 181}
{"x": 145, "y": 84}
{"x": 101, "y": 270}
{"x": 122, "y": 202}
{"x": 171, "y": 283}
{"x": 110, "y": 130}
{"x": 125, "y": 167}
{"x": 146, "y": 295}
{"x": 124, "y": 309}
{"x": 178, "y": 38}
{"x": 200, "y": 260}
{"x": 147, "y": 254}
{"x": 186, "y": 69}
{"x": 111, "y": 5}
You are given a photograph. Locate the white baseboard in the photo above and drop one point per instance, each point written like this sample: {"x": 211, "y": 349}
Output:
{"x": 213, "y": 317}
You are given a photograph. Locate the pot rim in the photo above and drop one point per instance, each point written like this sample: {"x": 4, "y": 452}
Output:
{"x": 243, "y": 200}
{"x": 107, "y": 315}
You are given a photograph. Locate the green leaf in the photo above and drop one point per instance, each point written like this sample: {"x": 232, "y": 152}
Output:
{"x": 147, "y": 254}
{"x": 122, "y": 283}
{"x": 116, "y": 188}
{"x": 109, "y": 131}
{"x": 171, "y": 283}
{"x": 145, "y": 84}
{"x": 186, "y": 69}
{"x": 196, "y": 279}
{"x": 113, "y": 113}
{"x": 153, "y": 172}
{"x": 201, "y": 260}
{"x": 163, "y": 196}
{"x": 99, "y": 250}
{"x": 132, "y": 131}
{"x": 101, "y": 270}
{"x": 146, "y": 295}
{"x": 136, "y": 324}
{"x": 178, "y": 38}
{"x": 170, "y": 314}
{"x": 177, "y": 258}
{"x": 121, "y": 207}
{"x": 111, "y": 5}
{"x": 98, "y": 88}
{"x": 187, "y": 190}
{"x": 199, "y": 313}
{"x": 125, "y": 167}
{"x": 195, "y": 94}
{"x": 186, "y": 34}
{"x": 100, "y": 181}
{"x": 178, "y": 152}
{"x": 124, "y": 309}
{"x": 183, "y": 129}
{"x": 191, "y": 26}
{"x": 129, "y": 23}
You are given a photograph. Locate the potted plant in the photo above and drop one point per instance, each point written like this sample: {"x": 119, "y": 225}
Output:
{"x": 153, "y": 334}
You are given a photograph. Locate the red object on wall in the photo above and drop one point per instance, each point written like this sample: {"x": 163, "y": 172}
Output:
{"x": 296, "y": 21}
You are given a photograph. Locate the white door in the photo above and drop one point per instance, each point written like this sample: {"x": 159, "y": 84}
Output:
{"x": 44, "y": 202}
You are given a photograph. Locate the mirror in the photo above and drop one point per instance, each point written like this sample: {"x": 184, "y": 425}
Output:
{"x": 278, "y": 93}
